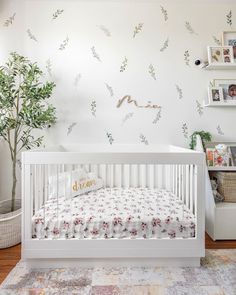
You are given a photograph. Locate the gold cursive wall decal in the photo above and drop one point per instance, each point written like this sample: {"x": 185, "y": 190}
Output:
{"x": 129, "y": 100}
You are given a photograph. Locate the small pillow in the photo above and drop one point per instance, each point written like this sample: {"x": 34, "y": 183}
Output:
{"x": 64, "y": 179}
{"x": 91, "y": 183}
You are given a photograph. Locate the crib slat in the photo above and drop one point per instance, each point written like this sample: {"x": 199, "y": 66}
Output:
{"x": 182, "y": 182}
{"x": 161, "y": 176}
{"x": 179, "y": 181}
{"x": 195, "y": 189}
{"x": 118, "y": 176}
{"x": 87, "y": 168}
{"x": 71, "y": 177}
{"x": 36, "y": 187}
{"x": 44, "y": 189}
{"x": 31, "y": 188}
{"x": 110, "y": 175}
{"x": 134, "y": 175}
{"x": 150, "y": 176}
{"x": 172, "y": 178}
{"x": 43, "y": 185}
{"x": 63, "y": 183}
{"x": 126, "y": 176}
{"x": 102, "y": 173}
{"x": 167, "y": 173}
{"x": 94, "y": 169}
{"x": 191, "y": 188}
{"x": 46, "y": 193}
{"x": 28, "y": 170}
{"x": 57, "y": 197}
{"x": 163, "y": 179}
{"x": 142, "y": 175}
{"x": 187, "y": 178}
{"x": 176, "y": 180}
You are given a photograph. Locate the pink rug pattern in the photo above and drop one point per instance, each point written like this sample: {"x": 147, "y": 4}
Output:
{"x": 216, "y": 276}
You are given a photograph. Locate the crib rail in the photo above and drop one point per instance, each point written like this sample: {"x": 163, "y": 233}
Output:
{"x": 179, "y": 179}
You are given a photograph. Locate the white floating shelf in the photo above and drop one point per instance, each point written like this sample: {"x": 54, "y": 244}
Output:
{"x": 221, "y": 66}
{"x": 221, "y": 104}
{"x": 223, "y": 168}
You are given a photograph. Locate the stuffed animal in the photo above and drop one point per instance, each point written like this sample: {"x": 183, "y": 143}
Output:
{"x": 216, "y": 194}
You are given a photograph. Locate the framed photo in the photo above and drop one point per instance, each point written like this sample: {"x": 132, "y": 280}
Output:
{"x": 215, "y": 95}
{"x": 229, "y": 39}
{"x": 220, "y": 54}
{"x": 229, "y": 88}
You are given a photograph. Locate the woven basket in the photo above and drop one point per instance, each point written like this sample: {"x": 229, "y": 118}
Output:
{"x": 10, "y": 224}
{"x": 227, "y": 185}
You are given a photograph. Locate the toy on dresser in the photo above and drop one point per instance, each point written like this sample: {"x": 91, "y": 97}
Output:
{"x": 217, "y": 196}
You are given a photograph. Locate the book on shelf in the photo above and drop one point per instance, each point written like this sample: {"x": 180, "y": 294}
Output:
{"x": 221, "y": 156}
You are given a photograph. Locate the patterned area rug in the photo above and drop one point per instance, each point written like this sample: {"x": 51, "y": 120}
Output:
{"x": 216, "y": 276}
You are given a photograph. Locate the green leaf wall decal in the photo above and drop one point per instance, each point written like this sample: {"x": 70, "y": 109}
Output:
{"x": 110, "y": 138}
{"x": 143, "y": 139}
{"x": 70, "y": 128}
{"x": 152, "y": 72}
{"x": 9, "y": 21}
{"x": 219, "y": 130}
{"x": 158, "y": 117}
{"x": 127, "y": 117}
{"x": 164, "y": 12}
{"x": 57, "y": 13}
{"x": 93, "y": 108}
{"x": 105, "y": 30}
{"x": 64, "y": 44}
{"x": 124, "y": 65}
{"x": 165, "y": 45}
{"x": 95, "y": 54}
{"x": 137, "y": 29}
{"x": 31, "y": 36}
{"x": 199, "y": 108}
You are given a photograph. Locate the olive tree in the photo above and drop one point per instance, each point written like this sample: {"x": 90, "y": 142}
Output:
{"x": 24, "y": 107}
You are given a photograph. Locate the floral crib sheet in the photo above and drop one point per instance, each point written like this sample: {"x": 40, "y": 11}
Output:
{"x": 115, "y": 213}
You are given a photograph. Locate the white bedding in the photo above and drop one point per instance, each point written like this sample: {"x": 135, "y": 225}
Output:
{"x": 115, "y": 213}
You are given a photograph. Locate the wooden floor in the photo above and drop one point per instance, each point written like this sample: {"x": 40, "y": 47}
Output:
{"x": 9, "y": 257}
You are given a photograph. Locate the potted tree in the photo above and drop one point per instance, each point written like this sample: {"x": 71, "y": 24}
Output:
{"x": 205, "y": 137}
{"x": 24, "y": 107}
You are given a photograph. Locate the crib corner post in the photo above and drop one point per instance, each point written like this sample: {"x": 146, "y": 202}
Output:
{"x": 201, "y": 201}
{"x": 26, "y": 203}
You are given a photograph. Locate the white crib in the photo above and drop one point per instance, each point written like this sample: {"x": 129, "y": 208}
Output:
{"x": 178, "y": 170}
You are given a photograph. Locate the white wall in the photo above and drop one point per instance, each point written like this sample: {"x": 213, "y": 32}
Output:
{"x": 10, "y": 40}
{"x": 81, "y": 78}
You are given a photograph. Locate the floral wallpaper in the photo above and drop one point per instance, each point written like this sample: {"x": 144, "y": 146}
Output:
{"x": 99, "y": 52}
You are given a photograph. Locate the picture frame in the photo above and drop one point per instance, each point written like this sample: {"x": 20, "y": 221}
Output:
{"x": 228, "y": 87}
{"x": 229, "y": 39}
{"x": 215, "y": 95}
{"x": 220, "y": 54}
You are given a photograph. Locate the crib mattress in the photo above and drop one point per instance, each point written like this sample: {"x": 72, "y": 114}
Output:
{"x": 115, "y": 213}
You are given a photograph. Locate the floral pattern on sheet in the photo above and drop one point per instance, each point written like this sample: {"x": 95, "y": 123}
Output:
{"x": 115, "y": 213}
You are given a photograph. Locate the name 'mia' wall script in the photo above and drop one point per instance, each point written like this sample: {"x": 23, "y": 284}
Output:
{"x": 128, "y": 99}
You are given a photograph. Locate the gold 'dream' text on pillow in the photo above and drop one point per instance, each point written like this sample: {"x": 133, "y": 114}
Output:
{"x": 83, "y": 184}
